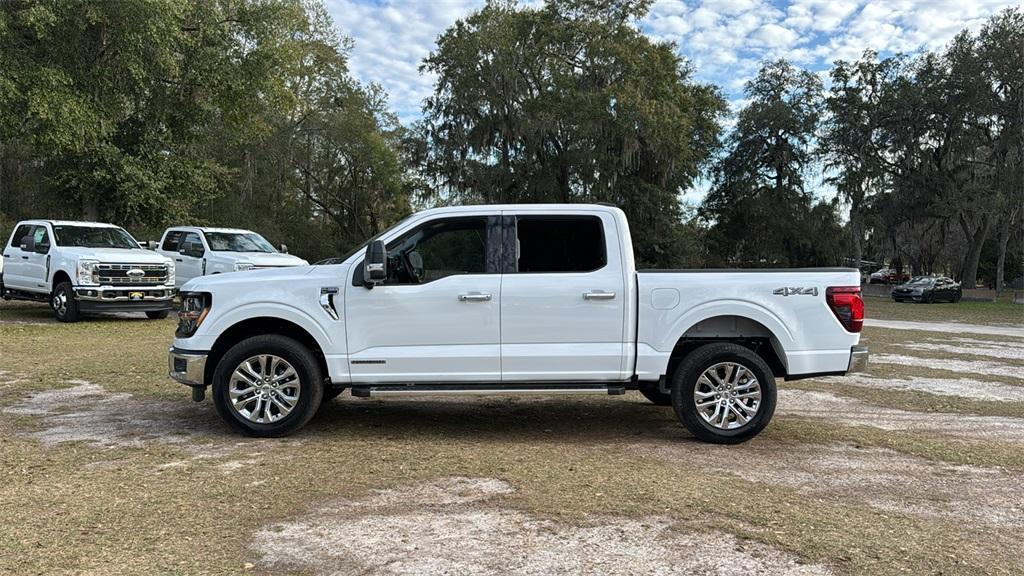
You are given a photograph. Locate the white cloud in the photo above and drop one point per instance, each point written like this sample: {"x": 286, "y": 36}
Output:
{"x": 775, "y": 36}
{"x": 726, "y": 40}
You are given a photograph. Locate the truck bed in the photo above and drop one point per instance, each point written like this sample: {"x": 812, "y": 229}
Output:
{"x": 785, "y": 305}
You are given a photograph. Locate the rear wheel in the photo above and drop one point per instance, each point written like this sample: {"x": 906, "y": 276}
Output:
{"x": 267, "y": 386}
{"x": 157, "y": 314}
{"x": 63, "y": 303}
{"x": 723, "y": 393}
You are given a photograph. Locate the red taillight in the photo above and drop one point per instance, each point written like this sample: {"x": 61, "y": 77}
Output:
{"x": 847, "y": 305}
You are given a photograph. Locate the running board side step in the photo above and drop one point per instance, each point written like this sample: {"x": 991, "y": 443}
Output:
{"x": 485, "y": 389}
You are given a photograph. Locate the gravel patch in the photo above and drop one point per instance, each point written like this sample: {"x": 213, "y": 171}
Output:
{"x": 878, "y": 477}
{"x": 89, "y": 413}
{"x": 849, "y": 411}
{"x": 448, "y": 527}
{"x": 953, "y": 365}
{"x": 995, "y": 350}
{"x": 1016, "y": 331}
{"x": 962, "y": 387}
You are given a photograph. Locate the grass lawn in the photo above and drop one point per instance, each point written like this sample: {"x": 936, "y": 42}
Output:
{"x": 109, "y": 468}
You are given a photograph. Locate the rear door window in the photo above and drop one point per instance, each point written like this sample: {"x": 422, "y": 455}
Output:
{"x": 551, "y": 244}
{"x": 19, "y": 235}
{"x": 172, "y": 240}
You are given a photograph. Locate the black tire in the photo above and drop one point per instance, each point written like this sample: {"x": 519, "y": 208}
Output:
{"x": 67, "y": 311}
{"x": 306, "y": 367}
{"x": 956, "y": 298}
{"x": 157, "y": 314}
{"x": 656, "y": 396}
{"x": 689, "y": 371}
{"x": 929, "y": 299}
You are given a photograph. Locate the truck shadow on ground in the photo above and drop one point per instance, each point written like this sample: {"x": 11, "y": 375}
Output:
{"x": 552, "y": 419}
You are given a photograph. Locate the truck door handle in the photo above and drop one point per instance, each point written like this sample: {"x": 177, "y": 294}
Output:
{"x": 598, "y": 295}
{"x": 474, "y": 297}
{"x": 24, "y": 257}
{"x": 177, "y": 259}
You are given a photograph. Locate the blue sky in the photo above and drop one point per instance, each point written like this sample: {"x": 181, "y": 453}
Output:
{"x": 726, "y": 40}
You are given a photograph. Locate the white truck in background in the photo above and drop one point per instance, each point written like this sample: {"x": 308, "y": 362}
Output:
{"x": 201, "y": 251}
{"x": 513, "y": 299}
{"x": 84, "y": 268}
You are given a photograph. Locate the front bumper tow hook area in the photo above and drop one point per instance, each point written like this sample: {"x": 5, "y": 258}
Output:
{"x": 198, "y": 393}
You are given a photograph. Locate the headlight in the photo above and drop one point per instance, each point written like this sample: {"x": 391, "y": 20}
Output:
{"x": 170, "y": 274}
{"x": 194, "y": 308}
{"x": 85, "y": 272}
{"x": 240, "y": 266}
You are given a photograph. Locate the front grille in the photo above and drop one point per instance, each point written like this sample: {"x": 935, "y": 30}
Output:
{"x": 152, "y": 274}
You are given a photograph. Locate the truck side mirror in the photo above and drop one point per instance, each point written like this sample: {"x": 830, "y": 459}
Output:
{"x": 284, "y": 248}
{"x": 28, "y": 244}
{"x": 375, "y": 267}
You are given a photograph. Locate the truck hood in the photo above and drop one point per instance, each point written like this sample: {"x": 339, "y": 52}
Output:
{"x": 250, "y": 279}
{"x": 265, "y": 259}
{"x": 115, "y": 255}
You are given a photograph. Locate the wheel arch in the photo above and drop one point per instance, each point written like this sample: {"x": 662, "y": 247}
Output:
{"x": 60, "y": 276}
{"x": 258, "y": 326}
{"x": 741, "y": 329}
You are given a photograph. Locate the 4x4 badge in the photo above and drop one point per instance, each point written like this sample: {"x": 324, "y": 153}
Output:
{"x": 797, "y": 291}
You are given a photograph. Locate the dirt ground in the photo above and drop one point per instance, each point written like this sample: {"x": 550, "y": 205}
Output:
{"x": 915, "y": 467}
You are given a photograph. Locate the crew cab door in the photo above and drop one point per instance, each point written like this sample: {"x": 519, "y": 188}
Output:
{"x": 562, "y": 298}
{"x": 189, "y": 256}
{"x": 26, "y": 269}
{"x": 435, "y": 318}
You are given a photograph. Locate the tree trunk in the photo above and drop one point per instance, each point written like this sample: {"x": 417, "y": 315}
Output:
{"x": 976, "y": 240}
{"x": 1004, "y": 240}
{"x": 856, "y": 234}
{"x": 90, "y": 210}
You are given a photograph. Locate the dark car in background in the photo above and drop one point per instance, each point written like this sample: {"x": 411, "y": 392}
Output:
{"x": 928, "y": 289}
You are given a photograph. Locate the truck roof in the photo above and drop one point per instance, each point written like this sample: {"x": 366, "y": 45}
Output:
{"x": 523, "y": 208}
{"x": 70, "y": 223}
{"x": 212, "y": 229}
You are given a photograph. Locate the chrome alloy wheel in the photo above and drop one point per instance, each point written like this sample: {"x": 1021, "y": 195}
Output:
{"x": 264, "y": 389}
{"x": 60, "y": 302}
{"x": 727, "y": 395}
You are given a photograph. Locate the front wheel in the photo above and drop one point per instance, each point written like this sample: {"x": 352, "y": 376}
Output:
{"x": 724, "y": 393}
{"x": 157, "y": 314}
{"x": 64, "y": 304}
{"x": 267, "y": 386}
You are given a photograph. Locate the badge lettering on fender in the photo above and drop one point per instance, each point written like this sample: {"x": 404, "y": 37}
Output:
{"x": 796, "y": 291}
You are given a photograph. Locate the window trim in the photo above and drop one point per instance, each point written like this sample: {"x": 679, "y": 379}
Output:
{"x": 510, "y": 241}
{"x": 492, "y": 257}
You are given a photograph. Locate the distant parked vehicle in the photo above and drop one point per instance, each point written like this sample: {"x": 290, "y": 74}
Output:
{"x": 200, "y": 251}
{"x": 928, "y": 289}
{"x": 85, "y": 267}
{"x": 888, "y": 276}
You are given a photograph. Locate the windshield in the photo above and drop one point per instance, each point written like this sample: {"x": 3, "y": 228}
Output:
{"x": 238, "y": 242}
{"x": 921, "y": 281}
{"x": 93, "y": 237}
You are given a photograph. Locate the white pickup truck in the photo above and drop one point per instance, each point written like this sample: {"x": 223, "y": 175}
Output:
{"x": 200, "y": 251}
{"x": 513, "y": 299}
{"x": 83, "y": 268}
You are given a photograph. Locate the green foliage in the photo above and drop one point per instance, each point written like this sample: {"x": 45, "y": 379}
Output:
{"x": 759, "y": 210}
{"x": 163, "y": 112}
{"x": 568, "y": 103}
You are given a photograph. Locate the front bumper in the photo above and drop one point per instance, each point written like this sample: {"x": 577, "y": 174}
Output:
{"x": 858, "y": 359}
{"x": 124, "y": 298}
{"x": 187, "y": 366}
